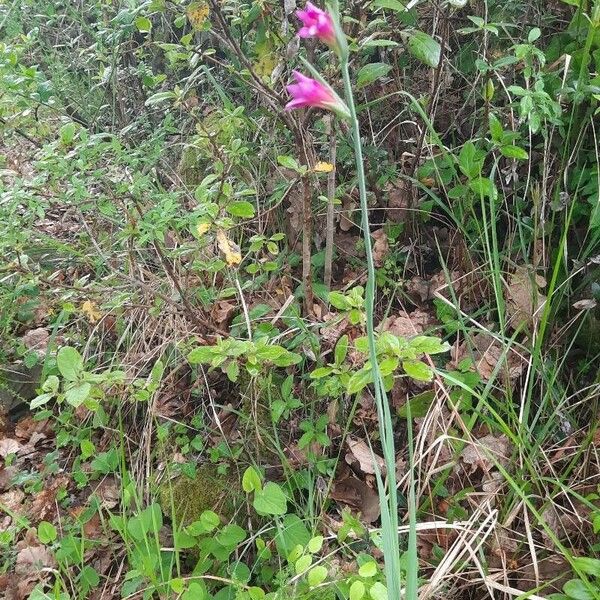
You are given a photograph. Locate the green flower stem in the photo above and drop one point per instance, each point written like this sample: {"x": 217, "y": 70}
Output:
{"x": 387, "y": 490}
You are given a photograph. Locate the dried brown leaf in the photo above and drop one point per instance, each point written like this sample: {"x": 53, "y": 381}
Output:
{"x": 359, "y": 451}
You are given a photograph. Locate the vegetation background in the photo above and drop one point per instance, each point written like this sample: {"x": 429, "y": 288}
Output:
{"x": 186, "y": 406}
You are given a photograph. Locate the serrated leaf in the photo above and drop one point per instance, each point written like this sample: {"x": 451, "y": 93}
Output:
{"x": 371, "y": 72}
{"x": 423, "y": 47}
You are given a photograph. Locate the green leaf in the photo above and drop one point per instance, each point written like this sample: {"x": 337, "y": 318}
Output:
{"x": 160, "y": 97}
{"x": 514, "y": 152}
{"x": 195, "y": 591}
{"x": 270, "y": 500}
{"x": 69, "y": 363}
{"x": 423, "y": 47}
{"x": 291, "y": 533}
{"x": 315, "y": 544}
{"x": 89, "y": 578}
{"x": 321, "y": 372}
{"x": 371, "y": 72}
{"x": 78, "y": 394}
{"x": 341, "y": 350}
{"x": 424, "y": 344}
{"x": 256, "y": 593}
{"x": 379, "y": 44}
{"x": 183, "y": 540}
{"x": 390, "y": 4}
{"x": 143, "y": 24}
{"x": 251, "y": 481}
{"x": 67, "y": 133}
{"x": 357, "y": 590}
{"x": 496, "y": 128}
{"x": 317, "y": 575}
{"x": 241, "y": 208}
{"x": 40, "y": 400}
{"x": 148, "y": 521}
{"x": 360, "y": 380}
{"x": 578, "y": 590}
{"x": 483, "y": 186}
{"x": 303, "y": 564}
{"x": 339, "y": 301}
{"x": 369, "y": 569}
{"x": 289, "y": 162}
{"x": 470, "y": 160}
{"x": 590, "y": 566}
{"x": 419, "y": 405}
{"x": 202, "y": 354}
{"x": 417, "y": 370}
{"x": 378, "y": 591}
{"x": 233, "y": 371}
{"x": 46, "y": 532}
{"x": 230, "y": 535}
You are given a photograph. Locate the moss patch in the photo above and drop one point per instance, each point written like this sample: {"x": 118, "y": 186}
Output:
{"x": 209, "y": 490}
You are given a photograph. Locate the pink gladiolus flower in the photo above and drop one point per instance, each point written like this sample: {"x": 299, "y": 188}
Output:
{"x": 317, "y": 23}
{"x": 310, "y": 92}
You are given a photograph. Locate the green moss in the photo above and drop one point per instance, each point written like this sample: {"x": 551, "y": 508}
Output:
{"x": 209, "y": 490}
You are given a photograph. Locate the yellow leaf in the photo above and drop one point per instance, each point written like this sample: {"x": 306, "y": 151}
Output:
{"x": 90, "y": 310}
{"x": 197, "y": 13}
{"x": 323, "y": 167}
{"x": 232, "y": 253}
{"x": 202, "y": 228}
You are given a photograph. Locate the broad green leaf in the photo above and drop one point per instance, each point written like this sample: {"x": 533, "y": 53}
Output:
{"x": 339, "y": 301}
{"x": 321, "y": 372}
{"x": 289, "y": 162}
{"x": 256, "y": 593}
{"x": 419, "y": 405}
{"x": 183, "y": 540}
{"x": 483, "y": 186}
{"x": 379, "y": 44}
{"x": 378, "y": 591}
{"x": 202, "y": 354}
{"x": 371, "y": 72}
{"x": 78, "y": 394}
{"x": 341, "y": 350}
{"x": 423, "y": 47}
{"x": 496, "y": 128}
{"x": 270, "y": 500}
{"x": 230, "y": 535}
{"x": 143, "y": 24}
{"x": 315, "y": 544}
{"x": 357, "y": 590}
{"x": 251, "y": 481}
{"x": 317, "y": 575}
{"x": 369, "y": 569}
{"x": 241, "y": 208}
{"x": 291, "y": 533}
{"x": 303, "y": 564}
{"x": 389, "y": 4}
{"x": 46, "y": 532}
{"x": 40, "y": 400}
{"x": 360, "y": 380}
{"x": 514, "y": 152}
{"x": 69, "y": 363}
{"x": 470, "y": 160}
{"x": 417, "y": 370}
{"x": 423, "y": 344}
{"x": 578, "y": 590}
{"x": 590, "y": 566}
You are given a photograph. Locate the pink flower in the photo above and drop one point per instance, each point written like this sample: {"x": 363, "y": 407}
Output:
{"x": 310, "y": 92}
{"x": 317, "y": 23}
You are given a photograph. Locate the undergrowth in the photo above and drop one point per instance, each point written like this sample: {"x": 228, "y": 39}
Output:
{"x": 190, "y": 406}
